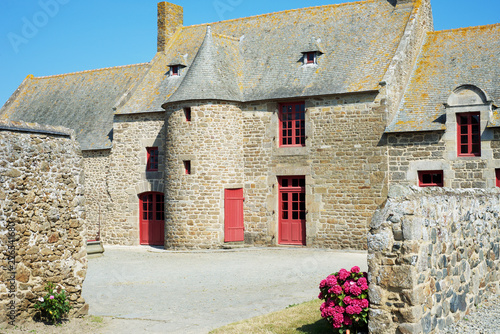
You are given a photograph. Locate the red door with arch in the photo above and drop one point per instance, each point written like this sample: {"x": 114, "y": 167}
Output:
{"x": 152, "y": 218}
{"x": 233, "y": 215}
{"x": 292, "y": 210}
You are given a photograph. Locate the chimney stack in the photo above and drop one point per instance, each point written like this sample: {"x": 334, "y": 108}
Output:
{"x": 170, "y": 18}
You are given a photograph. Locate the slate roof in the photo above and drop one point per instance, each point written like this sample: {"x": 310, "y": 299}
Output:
{"x": 81, "y": 101}
{"x": 260, "y": 57}
{"x": 449, "y": 59}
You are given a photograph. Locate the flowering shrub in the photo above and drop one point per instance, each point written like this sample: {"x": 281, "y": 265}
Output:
{"x": 54, "y": 305}
{"x": 346, "y": 300}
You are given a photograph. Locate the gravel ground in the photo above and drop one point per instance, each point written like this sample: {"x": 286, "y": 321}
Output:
{"x": 485, "y": 320}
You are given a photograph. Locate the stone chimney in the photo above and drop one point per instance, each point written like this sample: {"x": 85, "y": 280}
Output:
{"x": 170, "y": 18}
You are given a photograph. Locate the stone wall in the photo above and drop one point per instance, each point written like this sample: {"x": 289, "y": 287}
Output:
{"x": 342, "y": 161}
{"x": 413, "y": 152}
{"x": 433, "y": 255}
{"x": 42, "y": 226}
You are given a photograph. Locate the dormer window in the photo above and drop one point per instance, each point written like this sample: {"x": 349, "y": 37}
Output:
{"x": 310, "y": 58}
{"x": 175, "y": 70}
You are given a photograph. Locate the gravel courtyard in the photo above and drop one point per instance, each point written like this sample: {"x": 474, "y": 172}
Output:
{"x": 143, "y": 289}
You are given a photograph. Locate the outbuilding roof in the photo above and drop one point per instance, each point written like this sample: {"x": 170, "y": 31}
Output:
{"x": 81, "y": 101}
{"x": 450, "y": 59}
{"x": 261, "y": 57}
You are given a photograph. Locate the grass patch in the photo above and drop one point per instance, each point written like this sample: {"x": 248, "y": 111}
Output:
{"x": 302, "y": 318}
{"x": 96, "y": 319}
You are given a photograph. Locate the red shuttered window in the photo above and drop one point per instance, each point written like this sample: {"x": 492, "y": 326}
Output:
{"x": 152, "y": 163}
{"x": 292, "y": 124}
{"x": 468, "y": 134}
{"x": 430, "y": 178}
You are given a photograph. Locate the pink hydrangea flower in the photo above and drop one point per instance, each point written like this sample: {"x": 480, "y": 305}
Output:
{"x": 362, "y": 281}
{"x": 338, "y": 319}
{"x": 364, "y": 287}
{"x": 353, "y": 309}
{"x": 347, "y": 300}
{"x": 347, "y": 321}
{"x": 322, "y": 284}
{"x": 320, "y": 296}
{"x": 364, "y": 303}
{"x": 51, "y": 297}
{"x": 355, "y": 290}
{"x": 344, "y": 274}
{"x": 331, "y": 280}
{"x": 347, "y": 287}
{"x": 337, "y": 289}
{"x": 339, "y": 309}
{"x": 355, "y": 269}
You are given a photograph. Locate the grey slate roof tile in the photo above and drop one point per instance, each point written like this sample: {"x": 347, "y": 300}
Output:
{"x": 449, "y": 59}
{"x": 81, "y": 101}
{"x": 358, "y": 39}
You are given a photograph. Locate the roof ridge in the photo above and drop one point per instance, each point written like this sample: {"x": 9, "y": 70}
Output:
{"x": 88, "y": 71}
{"x": 484, "y": 26}
{"x": 236, "y": 39}
{"x": 282, "y": 12}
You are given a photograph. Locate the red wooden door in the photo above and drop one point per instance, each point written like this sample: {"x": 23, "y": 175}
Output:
{"x": 233, "y": 215}
{"x": 292, "y": 210}
{"x": 152, "y": 219}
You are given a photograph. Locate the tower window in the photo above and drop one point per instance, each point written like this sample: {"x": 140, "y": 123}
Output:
{"x": 187, "y": 113}
{"x": 152, "y": 162}
{"x": 187, "y": 167}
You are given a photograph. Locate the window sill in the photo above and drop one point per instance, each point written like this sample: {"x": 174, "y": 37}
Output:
{"x": 291, "y": 150}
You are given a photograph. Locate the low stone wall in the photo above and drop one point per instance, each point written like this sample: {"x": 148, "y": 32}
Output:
{"x": 433, "y": 256}
{"x": 41, "y": 217}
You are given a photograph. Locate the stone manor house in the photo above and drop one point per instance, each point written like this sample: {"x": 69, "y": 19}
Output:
{"x": 279, "y": 129}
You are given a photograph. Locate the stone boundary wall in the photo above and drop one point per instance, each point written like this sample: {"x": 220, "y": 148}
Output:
{"x": 41, "y": 217}
{"x": 433, "y": 256}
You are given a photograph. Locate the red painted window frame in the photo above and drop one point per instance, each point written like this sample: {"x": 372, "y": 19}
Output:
{"x": 152, "y": 159}
{"x": 292, "y": 124}
{"x": 310, "y": 57}
{"x": 497, "y": 177}
{"x": 187, "y": 167}
{"x": 285, "y": 184}
{"x": 433, "y": 182}
{"x": 151, "y": 211}
{"x": 468, "y": 135}
{"x": 187, "y": 114}
{"x": 175, "y": 70}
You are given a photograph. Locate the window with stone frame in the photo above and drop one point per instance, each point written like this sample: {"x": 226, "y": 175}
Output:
{"x": 468, "y": 134}
{"x": 292, "y": 124}
{"x": 152, "y": 159}
{"x": 187, "y": 167}
{"x": 430, "y": 178}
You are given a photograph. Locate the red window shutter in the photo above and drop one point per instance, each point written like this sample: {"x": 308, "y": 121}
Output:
{"x": 430, "y": 178}
{"x": 292, "y": 124}
{"x": 152, "y": 159}
{"x": 468, "y": 134}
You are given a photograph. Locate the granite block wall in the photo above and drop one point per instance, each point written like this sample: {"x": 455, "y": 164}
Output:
{"x": 42, "y": 217}
{"x": 434, "y": 254}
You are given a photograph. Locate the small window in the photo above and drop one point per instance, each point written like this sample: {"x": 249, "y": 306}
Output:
{"x": 292, "y": 124}
{"x": 497, "y": 177}
{"x": 175, "y": 70}
{"x": 310, "y": 58}
{"x": 187, "y": 113}
{"x": 430, "y": 178}
{"x": 187, "y": 167}
{"x": 152, "y": 163}
{"x": 468, "y": 135}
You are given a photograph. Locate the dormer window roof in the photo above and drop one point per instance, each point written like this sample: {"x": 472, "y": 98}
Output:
{"x": 311, "y": 51}
{"x": 176, "y": 66}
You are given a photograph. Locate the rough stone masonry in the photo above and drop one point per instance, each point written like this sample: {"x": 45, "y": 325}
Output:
{"x": 41, "y": 217}
{"x": 433, "y": 256}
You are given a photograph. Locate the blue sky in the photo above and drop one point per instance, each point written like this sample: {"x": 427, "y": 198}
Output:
{"x": 46, "y": 37}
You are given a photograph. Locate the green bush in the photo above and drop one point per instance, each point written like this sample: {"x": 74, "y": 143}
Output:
{"x": 54, "y": 305}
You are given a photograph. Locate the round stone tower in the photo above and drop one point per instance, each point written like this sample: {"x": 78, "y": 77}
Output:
{"x": 204, "y": 156}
